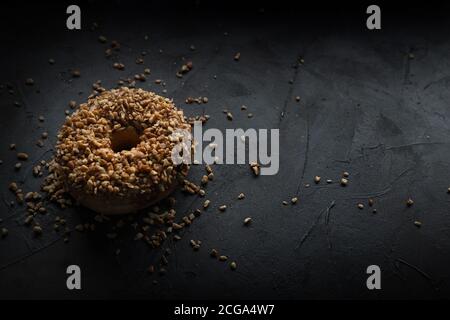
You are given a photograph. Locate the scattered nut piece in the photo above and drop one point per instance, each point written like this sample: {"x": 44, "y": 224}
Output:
{"x": 255, "y": 168}
{"x": 316, "y": 179}
{"x": 214, "y": 253}
{"x": 241, "y": 196}
{"x": 13, "y": 186}
{"x": 223, "y": 207}
{"x": 118, "y": 66}
{"x": 247, "y": 221}
{"x": 28, "y": 220}
{"x": 177, "y": 226}
{"x": 76, "y": 73}
{"x": 294, "y": 200}
{"x": 344, "y": 182}
{"x": 233, "y": 265}
{"x": 102, "y": 39}
{"x": 409, "y": 202}
{"x": 72, "y": 104}
{"x": 22, "y": 156}
{"x": 360, "y": 206}
{"x": 4, "y": 232}
{"x": 204, "y": 180}
{"x": 37, "y": 230}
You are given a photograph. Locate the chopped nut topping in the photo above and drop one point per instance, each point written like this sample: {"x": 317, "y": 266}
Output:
{"x": 91, "y": 155}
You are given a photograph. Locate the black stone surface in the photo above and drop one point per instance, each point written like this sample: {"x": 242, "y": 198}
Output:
{"x": 367, "y": 107}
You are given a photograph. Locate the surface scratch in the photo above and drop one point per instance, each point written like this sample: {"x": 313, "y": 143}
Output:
{"x": 312, "y": 227}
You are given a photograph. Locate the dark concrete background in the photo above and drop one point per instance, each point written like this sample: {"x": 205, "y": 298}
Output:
{"x": 365, "y": 108}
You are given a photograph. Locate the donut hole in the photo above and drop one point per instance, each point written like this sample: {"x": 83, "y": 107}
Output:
{"x": 124, "y": 139}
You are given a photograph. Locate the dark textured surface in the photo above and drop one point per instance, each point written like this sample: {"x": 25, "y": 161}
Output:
{"x": 365, "y": 108}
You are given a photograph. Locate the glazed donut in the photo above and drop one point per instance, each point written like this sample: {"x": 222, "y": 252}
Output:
{"x": 114, "y": 152}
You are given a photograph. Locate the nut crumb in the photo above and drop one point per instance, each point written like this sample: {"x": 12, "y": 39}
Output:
{"x": 409, "y": 202}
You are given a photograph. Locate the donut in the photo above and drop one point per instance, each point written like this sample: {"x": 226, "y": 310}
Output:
{"x": 114, "y": 153}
